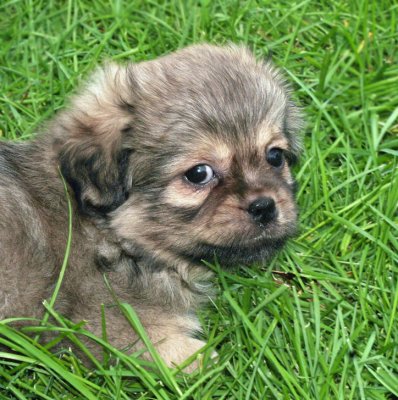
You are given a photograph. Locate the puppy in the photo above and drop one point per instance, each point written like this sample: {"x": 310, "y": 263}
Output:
{"x": 168, "y": 163}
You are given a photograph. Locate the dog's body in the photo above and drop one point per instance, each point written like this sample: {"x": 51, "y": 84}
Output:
{"x": 168, "y": 163}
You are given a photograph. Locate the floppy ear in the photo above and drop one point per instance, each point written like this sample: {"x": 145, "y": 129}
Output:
{"x": 91, "y": 134}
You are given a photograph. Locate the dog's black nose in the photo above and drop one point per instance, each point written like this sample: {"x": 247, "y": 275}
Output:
{"x": 263, "y": 210}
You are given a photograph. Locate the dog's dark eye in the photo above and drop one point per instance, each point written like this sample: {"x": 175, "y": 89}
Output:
{"x": 275, "y": 157}
{"x": 200, "y": 174}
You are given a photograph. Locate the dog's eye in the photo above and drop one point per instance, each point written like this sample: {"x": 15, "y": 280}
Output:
{"x": 275, "y": 157}
{"x": 200, "y": 174}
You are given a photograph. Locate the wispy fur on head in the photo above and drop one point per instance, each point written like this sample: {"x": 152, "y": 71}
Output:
{"x": 144, "y": 123}
{"x": 131, "y": 145}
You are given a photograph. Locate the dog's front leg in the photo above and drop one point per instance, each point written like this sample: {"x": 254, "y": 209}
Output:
{"x": 174, "y": 338}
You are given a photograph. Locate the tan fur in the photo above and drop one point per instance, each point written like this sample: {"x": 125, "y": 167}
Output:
{"x": 125, "y": 147}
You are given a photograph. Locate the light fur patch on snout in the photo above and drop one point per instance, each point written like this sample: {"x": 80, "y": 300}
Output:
{"x": 180, "y": 194}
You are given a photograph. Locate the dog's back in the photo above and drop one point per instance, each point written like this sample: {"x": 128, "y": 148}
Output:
{"x": 23, "y": 250}
{"x": 34, "y": 233}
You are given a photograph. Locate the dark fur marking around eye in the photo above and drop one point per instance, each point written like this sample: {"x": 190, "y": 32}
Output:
{"x": 291, "y": 158}
{"x": 237, "y": 182}
{"x": 294, "y": 187}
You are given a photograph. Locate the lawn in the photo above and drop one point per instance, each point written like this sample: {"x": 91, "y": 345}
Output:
{"x": 321, "y": 320}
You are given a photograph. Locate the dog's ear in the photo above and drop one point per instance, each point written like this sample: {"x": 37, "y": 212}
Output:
{"x": 91, "y": 136}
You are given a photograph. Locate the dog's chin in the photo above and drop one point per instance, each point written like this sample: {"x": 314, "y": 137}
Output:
{"x": 234, "y": 254}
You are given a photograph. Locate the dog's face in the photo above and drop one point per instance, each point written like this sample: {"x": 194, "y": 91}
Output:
{"x": 189, "y": 156}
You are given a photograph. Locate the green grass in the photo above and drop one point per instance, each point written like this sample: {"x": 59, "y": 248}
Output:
{"x": 321, "y": 320}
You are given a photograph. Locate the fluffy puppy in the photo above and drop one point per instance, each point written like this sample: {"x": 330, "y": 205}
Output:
{"x": 168, "y": 162}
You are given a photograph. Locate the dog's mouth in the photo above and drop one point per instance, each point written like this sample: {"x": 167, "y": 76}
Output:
{"x": 234, "y": 254}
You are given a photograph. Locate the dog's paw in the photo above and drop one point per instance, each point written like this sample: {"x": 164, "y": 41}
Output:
{"x": 174, "y": 351}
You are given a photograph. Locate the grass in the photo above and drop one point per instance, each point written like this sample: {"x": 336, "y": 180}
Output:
{"x": 321, "y": 320}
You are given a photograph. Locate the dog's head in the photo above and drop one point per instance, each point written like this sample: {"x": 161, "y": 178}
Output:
{"x": 187, "y": 156}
